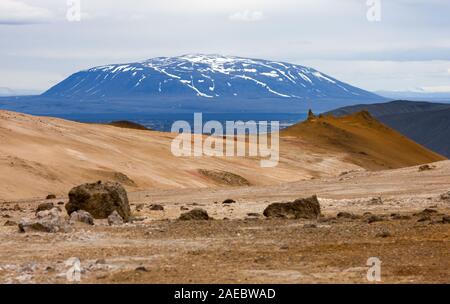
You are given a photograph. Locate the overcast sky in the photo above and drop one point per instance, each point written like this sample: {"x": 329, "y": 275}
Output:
{"x": 409, "y": 49}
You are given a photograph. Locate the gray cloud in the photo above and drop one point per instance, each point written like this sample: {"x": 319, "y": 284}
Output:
{"x": 327, "y": 34}
{"x": 14, "y": 12}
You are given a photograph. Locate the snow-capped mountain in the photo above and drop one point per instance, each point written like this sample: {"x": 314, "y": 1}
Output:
{"x": 207, "y": 77}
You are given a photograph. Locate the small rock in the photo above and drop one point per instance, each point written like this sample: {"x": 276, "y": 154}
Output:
{"x": 50, "y": 196}
{"x": 49, "y": 269}
{"x": 228, "y": 201}
{"x": 425, "y": 168}
{"x": 156, "y": 207}
{"x": 347, "y": 215}
{"x": 100, "y": 262}
{"x": 445, "y": 196}
{"x": 446, "y": 219}
{"x": 114, "y": 219}
{"x": 195, "y": 215}
{"x": 60, "y": 203}
{"x": 307, "y": 208}
{"x": 310, "y": 226}
{"x": 183, "y": 208}
{"x": 426, "y": 212}
{"x": 45, "y": 206}
{"x": 10, "y": 224}
{"x": 139, "y": 207}
{"x": 17, "y": 207}
{"x": 50, "y": 221}
{"x": 424, "y": 218}
{"x": 137, "y": 219}
{"x": 376, "y": 201}
{"x": 396, "y": 216}
{"x": 82, "y": 216}
{"x": 141, "y": 269}
{"x": 253, "y": 214}
{"x": 383, "y": 234}
{"x": 374, "y": 218}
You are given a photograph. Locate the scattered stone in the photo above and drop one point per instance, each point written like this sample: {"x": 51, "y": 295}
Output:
{"x": 183, "y": 208}
{"x": 396, "y": 216}
{"x": 195, "y": 215}
{"x": 45, "y": 206}
{"x": 100, "y": 200}
{"x": 6, "y": 216}
{"x": 49, "y": 269}
{"x": 114, "y": 219}
{"x": 225, "y": 178}
{"x": 347, "y": 215}
{"x": 139, "y": 207}
{"x": 17, "y": 207}
{"x": 50, "y": 221}
{"x": 445, "y": 196}
{"x": 100, "y": 262}
{"x": 424, "y": 218}
{"x": 310, "y": 226}
{"x": 141, "y": 269}
{"x": 306, "y": 208}
{"x": 10, "y": 224}
{"x": 228, "y": 202}
{"x": 426, "y": 212}
{"x": 374, "y": 218}
{"x": 425, "y": 168}
{"x": 60, "y": 203}
{"x": 82, "y": 216}
{"x": 51, "y": 196}
{"x": 137, "y": 219}
{"x": 384, "y": 234}
{"x": 253, "y": 214}
{"x": 156, "y": 207}
{"x": 446, "y": 219}
{"x": 376, "y": 201}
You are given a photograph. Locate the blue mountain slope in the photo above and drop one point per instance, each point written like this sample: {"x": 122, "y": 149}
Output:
{"x": 203, "y": 83}
{"x": 205, "y": 77}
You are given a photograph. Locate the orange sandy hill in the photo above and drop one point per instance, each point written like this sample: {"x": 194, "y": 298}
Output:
{"x": 42, "y": 155}
{"x": 367, "y": 142}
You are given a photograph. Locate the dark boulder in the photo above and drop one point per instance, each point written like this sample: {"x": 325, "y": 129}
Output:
{"x": 100, "y": 200}
{"x": 195, "y": 215}
{"x": 305, "y": 208}
{"x": 45, "y": 206}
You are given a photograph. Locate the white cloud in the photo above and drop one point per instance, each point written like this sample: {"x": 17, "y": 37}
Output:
{"x": 247, "y": 15}
{"x": 17, "y": 12}
{"x": 437, "y": 89}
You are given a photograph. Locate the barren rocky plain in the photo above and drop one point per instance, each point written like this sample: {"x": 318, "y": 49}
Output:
{"x": 395, "y": 209}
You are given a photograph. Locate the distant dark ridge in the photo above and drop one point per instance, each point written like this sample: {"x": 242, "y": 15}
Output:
{"x": 389, "y": 108}
{"x": 426, "y": 123}
{"x": 128, "y": 125}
